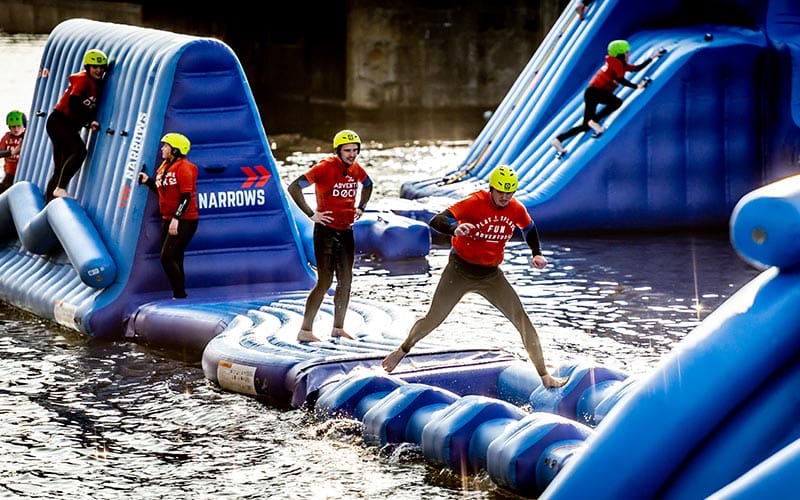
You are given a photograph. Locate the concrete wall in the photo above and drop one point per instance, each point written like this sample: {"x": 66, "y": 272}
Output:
{"x": 393, "y": 70}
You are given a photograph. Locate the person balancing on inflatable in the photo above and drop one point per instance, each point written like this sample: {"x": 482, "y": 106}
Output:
{"x": 336, "y": 181}
{"x": 601, "y": 91}
{"x": 480, "y": 226}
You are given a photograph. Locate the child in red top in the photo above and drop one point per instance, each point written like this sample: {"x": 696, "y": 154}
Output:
{"x": 75, "y": 110}
{"x": 176, "y": 184}
{"x": 10, "y": 145}
{"x": 601, "y": 91}
{"x": 336, "y": 181}
{"x": 481, "y": 225}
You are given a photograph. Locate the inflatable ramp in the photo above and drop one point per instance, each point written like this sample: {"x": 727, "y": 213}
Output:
{"x": 89, "y": 263}
{"x": 678, "y": 154}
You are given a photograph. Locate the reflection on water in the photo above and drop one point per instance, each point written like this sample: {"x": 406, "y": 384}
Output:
{"x": 83, "y": 419}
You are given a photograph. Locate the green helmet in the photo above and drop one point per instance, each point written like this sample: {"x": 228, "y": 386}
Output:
{"x": 346, "y": 137}
{"x": 618, "y": 47}
{"x": 504, "y": 179}
{"x": 177, "y": 141}
{"x": 95, "y": 57}
{"x": 16, "y": 119}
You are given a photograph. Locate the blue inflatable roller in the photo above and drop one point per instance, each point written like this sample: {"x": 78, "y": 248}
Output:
{"x": 387, "y": 421}
{"x": 540, "y": 442}
{"x": 81, "y": 242}
{"x": 446, "y": 441}
{"x": 765, "y": 225}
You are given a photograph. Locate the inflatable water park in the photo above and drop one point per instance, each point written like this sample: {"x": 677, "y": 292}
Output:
{"x": 712, "y": 140}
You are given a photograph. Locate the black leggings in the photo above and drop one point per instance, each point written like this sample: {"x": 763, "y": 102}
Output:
{"x": 458, "y": 278}
{"x": 172, "y": 251}
{"x": 593, "y": 97}
{"x": 69, "y": 151}
{"x": 335, "y": 253}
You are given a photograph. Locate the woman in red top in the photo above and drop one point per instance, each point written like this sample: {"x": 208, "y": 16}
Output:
{"x": 481, "y": 225}
{"x": 176, "y": 185}
{"x": 336, "y": 181}
{"x": 10, "y": 145}
{"x": 601, "y": 91}
{"x": 76, "y": 109}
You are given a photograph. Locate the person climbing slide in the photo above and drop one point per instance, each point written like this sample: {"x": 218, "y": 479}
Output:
{"x": 601, "y": 91}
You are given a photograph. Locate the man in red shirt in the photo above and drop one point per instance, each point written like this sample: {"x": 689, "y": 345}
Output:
{"x": 481, "y": 225}
{"x": 336, "y": 181}
{"x": 76, "y": 109}
{"x": 601, "y": 91}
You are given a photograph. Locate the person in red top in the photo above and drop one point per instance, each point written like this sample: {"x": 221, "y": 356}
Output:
{"x": 76, "y": 109}
{"x": 336, "y": 183}
{"x": 481, "y": 225}
{"x": 10, "y": 145}
{"x": 176, "y": 185}
{"x": 601, "y": 91}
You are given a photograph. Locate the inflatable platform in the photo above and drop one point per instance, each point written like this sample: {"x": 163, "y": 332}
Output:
{"x": 714, "y": 419}
{"x": 725, "y": 92}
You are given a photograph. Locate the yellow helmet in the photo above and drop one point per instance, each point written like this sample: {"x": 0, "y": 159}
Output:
{"x": 177, "y": 141}
{"x": 503, "y": 178}
{"x": 95, "y": 57}
{"x": 345, "y": 137}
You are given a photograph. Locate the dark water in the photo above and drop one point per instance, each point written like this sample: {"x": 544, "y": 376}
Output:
{"x": 87, "y": 419}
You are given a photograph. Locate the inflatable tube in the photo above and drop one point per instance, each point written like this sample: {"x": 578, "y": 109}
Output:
{"x": 388, "y": 421}
{"x": 765, "y": 225}
{"x": 347, "y": 396}
{"x": 30, "y": 221}
{"x": 446, "y": 441}
{"x": 587, "y": 385}
{"x": 81, "y": 242}
{"x": 528, "y": 455}
{"x": 776, "y": 477}
{"x": 391, "y": 237}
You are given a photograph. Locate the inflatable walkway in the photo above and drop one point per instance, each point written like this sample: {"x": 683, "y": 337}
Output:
{"x": 716, "y": 418}
{"x": 91, "y": 262}
{"x": 719, "y": 119}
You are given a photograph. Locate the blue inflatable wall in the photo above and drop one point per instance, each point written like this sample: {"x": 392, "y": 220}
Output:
{"x": 719, "y": 119}
{"x": 247, "y": 243}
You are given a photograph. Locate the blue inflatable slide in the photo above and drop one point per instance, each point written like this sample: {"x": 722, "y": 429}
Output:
{"x": 725, "y": 92}
{"x": 712, "y": 138}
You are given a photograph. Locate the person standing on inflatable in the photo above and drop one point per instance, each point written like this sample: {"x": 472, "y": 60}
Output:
{"x": 481, "y": 225}
{"x": 336, "y": 181}
{"x": 10, "y": 145}
{"x": 601, "y": 91}
{"x": 176, "y": 185}
{"x": 76, "y": 109}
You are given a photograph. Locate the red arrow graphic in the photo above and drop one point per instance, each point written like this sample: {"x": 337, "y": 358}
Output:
{"x": 256, "y": 178}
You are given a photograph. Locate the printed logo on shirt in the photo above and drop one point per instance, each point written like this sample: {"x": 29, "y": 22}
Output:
{"x": 348, "y": 189}
{"x": 498, "y": 228}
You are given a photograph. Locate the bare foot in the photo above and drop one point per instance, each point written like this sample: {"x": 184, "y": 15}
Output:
{"x": 393, "y": 359}
{"x": 307, "y": 336}
{"x": 552, "y": 382}
{"x": 61, "y": 193}
{"x": 339, "y": 332}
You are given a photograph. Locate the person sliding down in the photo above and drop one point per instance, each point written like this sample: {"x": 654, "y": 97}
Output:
{"x": 601, "y": 91}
